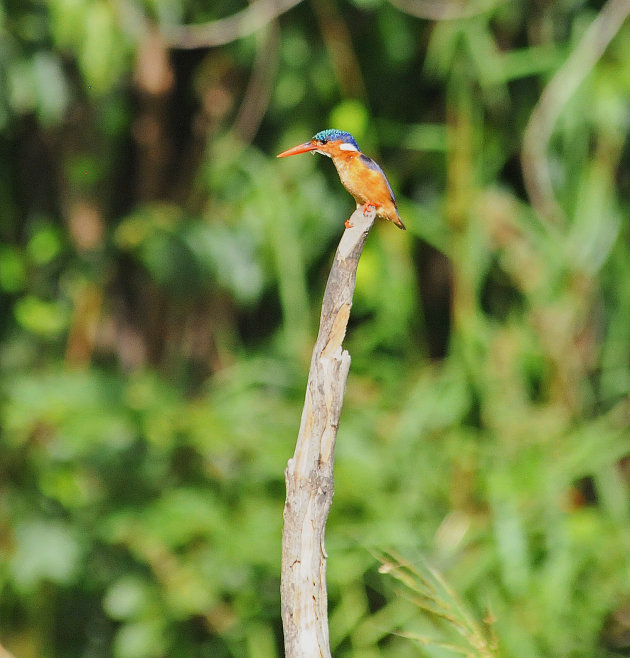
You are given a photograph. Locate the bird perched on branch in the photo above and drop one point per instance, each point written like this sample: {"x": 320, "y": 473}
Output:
{"x": 360, "y": 175}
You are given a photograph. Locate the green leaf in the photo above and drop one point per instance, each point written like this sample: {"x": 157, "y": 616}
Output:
{"x": 47, "y": 319}
{"x": 12, "y": 269}
{"x": 45, "y": 551}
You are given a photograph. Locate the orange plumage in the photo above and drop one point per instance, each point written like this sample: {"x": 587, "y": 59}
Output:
{"x": 360, "y": 175}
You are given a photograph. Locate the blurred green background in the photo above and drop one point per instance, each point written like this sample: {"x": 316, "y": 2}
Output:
{"x": 160, "y": 283}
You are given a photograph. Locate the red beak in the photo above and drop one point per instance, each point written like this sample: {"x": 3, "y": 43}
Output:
{"x": 301, "y": 148}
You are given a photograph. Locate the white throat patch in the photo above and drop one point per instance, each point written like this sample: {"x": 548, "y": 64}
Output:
{"x": 348, "y": 147}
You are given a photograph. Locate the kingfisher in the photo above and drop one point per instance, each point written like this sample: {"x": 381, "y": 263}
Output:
{"x": 360, "y": 175}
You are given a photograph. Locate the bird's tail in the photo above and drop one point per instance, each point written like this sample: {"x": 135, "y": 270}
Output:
{"x": 399, "y": 222}
{"x": 393, "y": 216}
{"x": 390, "y": 212}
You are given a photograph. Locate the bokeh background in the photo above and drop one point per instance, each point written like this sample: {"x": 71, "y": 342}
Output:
{"x": 160, "y": 281}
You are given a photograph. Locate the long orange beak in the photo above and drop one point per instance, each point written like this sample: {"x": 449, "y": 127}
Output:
{"x": 300, "y": 148}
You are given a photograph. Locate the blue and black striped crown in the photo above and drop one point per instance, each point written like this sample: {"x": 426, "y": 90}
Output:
{"x": 333, "y": 135}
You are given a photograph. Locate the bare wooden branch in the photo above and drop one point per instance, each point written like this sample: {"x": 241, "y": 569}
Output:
{"x": 224, "y": 30}
{"x": 4, "y": 653}
{"x": 449, "y": 10}
{"x": 536, "y": 168}
{"x": 309, "y": 473}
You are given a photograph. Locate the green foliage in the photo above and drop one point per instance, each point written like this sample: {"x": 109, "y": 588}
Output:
{"x": 427, "y": 590}
{"x": 161, "y": 276}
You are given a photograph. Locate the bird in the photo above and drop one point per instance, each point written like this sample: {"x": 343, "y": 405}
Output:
{"x": 358, "y": 173}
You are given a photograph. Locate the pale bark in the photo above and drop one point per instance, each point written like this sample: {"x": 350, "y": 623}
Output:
{"x": 309, "y": 473}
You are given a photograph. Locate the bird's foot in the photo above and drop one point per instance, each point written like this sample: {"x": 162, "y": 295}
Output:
{"x": 348, "y": 224}
{"x": 368, "y": 205}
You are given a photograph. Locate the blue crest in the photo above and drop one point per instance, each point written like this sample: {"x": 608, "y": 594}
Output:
{"x": 332, "y": 135}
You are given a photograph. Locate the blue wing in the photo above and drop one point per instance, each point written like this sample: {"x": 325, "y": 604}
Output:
{"x": 370, "y": 164}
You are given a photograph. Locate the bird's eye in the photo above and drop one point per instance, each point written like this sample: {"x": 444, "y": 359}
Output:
{"x": 323, "y": 141}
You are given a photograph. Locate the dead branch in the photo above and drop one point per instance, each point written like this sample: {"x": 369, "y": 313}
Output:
{"x": 559, "y": 90}
{"x": 225, "y": 30}
{"x": 309, "y": 473}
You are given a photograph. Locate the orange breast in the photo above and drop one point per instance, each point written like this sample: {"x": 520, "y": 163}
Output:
{"x": 363, "y": 183}
{"x": 366, "y": 185}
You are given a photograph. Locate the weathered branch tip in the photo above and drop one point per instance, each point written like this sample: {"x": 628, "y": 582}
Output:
{"x": 309, "y": 473}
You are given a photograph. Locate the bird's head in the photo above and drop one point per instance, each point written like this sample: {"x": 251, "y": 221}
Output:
{"x": 329, "y": 142}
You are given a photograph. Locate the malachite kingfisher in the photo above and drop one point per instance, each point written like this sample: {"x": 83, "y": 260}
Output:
{"x": 360, "y": 175}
